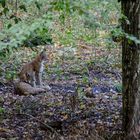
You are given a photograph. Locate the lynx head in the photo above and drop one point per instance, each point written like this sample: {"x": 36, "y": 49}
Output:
{"x": 43, "y": 55}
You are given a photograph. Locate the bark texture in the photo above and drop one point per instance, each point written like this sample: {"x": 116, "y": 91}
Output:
{"x": 131, "y": 70}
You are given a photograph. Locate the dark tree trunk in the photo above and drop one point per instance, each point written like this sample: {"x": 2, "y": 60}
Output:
{"x": 131, "y": 70}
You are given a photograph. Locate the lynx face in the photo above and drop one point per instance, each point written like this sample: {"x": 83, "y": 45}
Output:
{"x": 43, "y": 56}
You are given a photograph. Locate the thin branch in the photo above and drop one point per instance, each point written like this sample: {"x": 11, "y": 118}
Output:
{"x": 45, "y": 125}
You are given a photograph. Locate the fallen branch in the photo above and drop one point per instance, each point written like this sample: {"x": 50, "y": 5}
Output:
{"x": 44, "y": 125}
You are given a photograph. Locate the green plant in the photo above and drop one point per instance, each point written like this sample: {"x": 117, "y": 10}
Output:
{"x": 22, "y": 34}
{"x": 85, "y": 80}
{"x": 2, "y": 110}
{"x": 80, "y": 92}
{"x": 119, "y": 87}
{"x": 40, "y": 36}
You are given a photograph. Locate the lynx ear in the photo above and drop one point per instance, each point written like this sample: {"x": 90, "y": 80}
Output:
{"x": 43, "y": 55}
{"x": 45, "y": 49}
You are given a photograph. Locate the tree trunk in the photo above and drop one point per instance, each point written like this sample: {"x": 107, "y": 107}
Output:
{"x": 131, "y": 70}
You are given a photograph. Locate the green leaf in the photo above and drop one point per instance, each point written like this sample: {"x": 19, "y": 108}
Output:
{"x": 9, "y": 25}
{"x": 38, "y": 5}
{"x": 1, "y": 110}
{"x": 5, "y": 10}
{"x": 132, "y": 38}
{"x": 12, "y": 16}
{"x": 23, "y": 7}
{"x": 17, "y": 20}
{"x": 3, "y": 3}
{"x": 118, "y": 87}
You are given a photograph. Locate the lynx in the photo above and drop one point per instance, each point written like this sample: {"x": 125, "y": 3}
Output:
{"x": 23, "y": 88}
{"x": 31, "y": 72}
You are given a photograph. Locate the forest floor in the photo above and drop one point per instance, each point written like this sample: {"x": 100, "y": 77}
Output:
{"x": 79, "y": 106}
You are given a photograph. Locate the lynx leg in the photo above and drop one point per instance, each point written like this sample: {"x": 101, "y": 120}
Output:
{"x": 39, "y": 78}
{"x": 33, "y": 80}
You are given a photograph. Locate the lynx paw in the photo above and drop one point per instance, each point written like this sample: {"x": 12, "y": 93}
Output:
{"x": 45, "y": 87}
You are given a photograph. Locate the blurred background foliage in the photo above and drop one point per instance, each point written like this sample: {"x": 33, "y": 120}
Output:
{"x": 85, "y": 29}
{"x": 67, "y": 22}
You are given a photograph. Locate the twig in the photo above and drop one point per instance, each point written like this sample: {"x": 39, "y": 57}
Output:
{"x": 2, "y": 84}
{"x": 45, "y": 125}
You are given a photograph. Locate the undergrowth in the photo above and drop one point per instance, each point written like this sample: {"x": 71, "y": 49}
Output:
{"x": 81, "y": 29}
